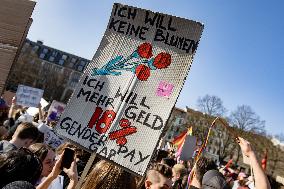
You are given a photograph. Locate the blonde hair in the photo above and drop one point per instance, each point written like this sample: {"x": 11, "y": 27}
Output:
{"x": 106, "y": 175}
{"x": 179, "y": 168}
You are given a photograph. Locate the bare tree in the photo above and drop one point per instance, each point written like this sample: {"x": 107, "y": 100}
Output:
{"x": 211, "y": 105}
{"x": 246, "y": 119}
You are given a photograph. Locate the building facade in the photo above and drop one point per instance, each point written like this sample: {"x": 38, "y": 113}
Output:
{"x": 181, "y": 119}
{"x": 15, "y": 22}
{"x": 222, "y": 145}
{"x": 43, "y": 67}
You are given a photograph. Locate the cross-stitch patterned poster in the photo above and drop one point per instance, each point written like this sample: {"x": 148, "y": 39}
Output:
{"x": 125, "y": 96}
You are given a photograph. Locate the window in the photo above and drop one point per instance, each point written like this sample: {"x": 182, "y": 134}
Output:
{"x": 80, "y": 68}
{"x": 71, "y": 64}
{"x": 45, "y": 50}
{"x": 51, "y": 59}
{"x": 64, "y": 57}
{"x": 54, "y": 53}
{"x": 82, "y": 63}
{"x": 42, "y": 55}
{"x": 61, "y": 62}
{"x": 73, "y": 60}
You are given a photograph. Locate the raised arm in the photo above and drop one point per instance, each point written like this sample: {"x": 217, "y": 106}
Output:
{"x": 261, "y": 181}
{"x": 53, "y": 175}
{"x": 12, "y": 108}
{"x": 40, "y": 115}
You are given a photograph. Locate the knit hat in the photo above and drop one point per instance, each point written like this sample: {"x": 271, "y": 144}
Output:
{"x": 214, "y": 180}
{"x": 19, "y": 185}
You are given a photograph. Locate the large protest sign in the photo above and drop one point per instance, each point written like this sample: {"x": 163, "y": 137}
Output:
{"x": 28, "y": 96}
{"x": 126, "y": 94}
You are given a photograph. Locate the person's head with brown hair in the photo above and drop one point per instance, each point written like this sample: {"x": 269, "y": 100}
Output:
{"x": 25, "y": 135}
{"x": 106, "y": 175}
{"x": 203, "y": 165}
{"x": 19, "y": 165}
{"x": 47, "y": 156}
{"x": 159, "y": 177}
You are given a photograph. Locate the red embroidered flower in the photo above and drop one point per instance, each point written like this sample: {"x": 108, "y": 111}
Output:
{"x": 142, "y": 72}
{"x": 162, "y": 60}
{"x": 145, "y": 50}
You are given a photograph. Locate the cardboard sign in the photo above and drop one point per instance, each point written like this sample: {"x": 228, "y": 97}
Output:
{"x": 50, "y": 137}
{"x": 33, "y": 111}
{"x": 28, "y": 96}
{"x": 125, "y": 96}
{"x": 55, "y": 110}
{"x": 188, "y": 148}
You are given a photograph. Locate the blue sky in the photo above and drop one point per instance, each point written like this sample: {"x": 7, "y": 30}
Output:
{"x": 240, "y": 56}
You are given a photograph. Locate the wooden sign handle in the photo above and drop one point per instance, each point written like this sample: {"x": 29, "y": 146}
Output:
{"x": 86, "y": 170}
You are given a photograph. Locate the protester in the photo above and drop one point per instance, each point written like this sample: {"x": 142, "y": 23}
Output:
{"x": 49, "y": 177}
{"x": 106, "y": 175}
{"x": 19, "y": 165}
{"x": 159, "y": 177}
{"x": 179, "y": 176}
{"x": 168, "y": 161}
{"x": 19, "y": 185}
{"x": 79, "y": 162}
{"x": 213, "y": 179}
{"x": 25, "y": 135}
{"x": 3, "y": 132}
{"x": 202, "y": 166}
{"x": 240, "y": 182}
{"x": 261, "y": 181}
{"x": 46, "y": 155}
{"x": 14, "y": 114}
{"x": 160, "y": 155}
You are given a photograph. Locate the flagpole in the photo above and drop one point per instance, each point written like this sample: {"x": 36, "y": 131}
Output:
{"x": 190, "y": 176}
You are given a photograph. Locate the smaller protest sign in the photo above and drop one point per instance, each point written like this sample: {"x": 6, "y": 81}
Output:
{"x": 50, "y": 137}
{"x": 188, "y": 148}
{"x": 28, "y": 96}
{"x": 33, "y": 111}
{"x": 55, "y": 110}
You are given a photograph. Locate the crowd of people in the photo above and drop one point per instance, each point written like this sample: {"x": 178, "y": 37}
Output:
{"x": 28, "y": 161}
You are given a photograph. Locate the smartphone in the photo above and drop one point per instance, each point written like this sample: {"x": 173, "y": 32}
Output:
{"x": 68, "y": 157}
